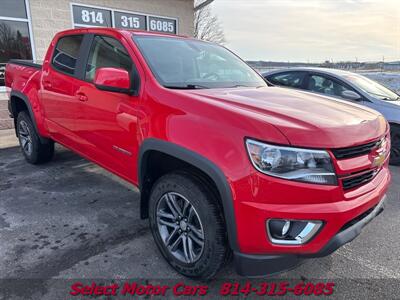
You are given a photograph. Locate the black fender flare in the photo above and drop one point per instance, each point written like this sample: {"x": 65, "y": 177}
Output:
{"x": 13, "y": 108}
{"x": 203, "y": 164}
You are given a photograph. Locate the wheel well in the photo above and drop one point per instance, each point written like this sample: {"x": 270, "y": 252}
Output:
{"x": 156, "y": 164}
{"x": 17, "y": 105}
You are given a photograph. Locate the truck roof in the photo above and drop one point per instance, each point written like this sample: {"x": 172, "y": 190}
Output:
{"x": 124, "y": 31}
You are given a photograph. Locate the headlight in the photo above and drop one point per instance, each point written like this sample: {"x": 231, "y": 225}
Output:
{"x": 306, "y": 165}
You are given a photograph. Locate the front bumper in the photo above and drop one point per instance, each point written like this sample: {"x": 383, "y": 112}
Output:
{"x": 261, "y": 265}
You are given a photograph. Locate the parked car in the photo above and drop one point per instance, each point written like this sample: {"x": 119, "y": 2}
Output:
{"x": 347, "y": 86}
{"x": 224, "y": 163}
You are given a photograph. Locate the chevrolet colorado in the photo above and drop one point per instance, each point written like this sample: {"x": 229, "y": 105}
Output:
{"x": 225, "y": 163}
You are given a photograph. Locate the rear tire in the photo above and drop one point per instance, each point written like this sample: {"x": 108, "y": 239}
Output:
{"x": 395, "y": 148}
{"x": 196, "y": 221}
{"x": 34, "y": 151}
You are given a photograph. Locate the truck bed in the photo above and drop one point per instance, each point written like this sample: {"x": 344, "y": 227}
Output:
{"x": 23, "y": 76}
{"x": 28, "y": 63}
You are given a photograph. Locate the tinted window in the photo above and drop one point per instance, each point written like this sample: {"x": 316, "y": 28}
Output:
{"x": 371, "y": 87}
{"x": 189, "y": 63}
{"x": 13, "y": 9}
{"x": 325, "y": 85}
{"x": 66, "y": 53}
{"x": 107, "y": 52}
{"x": 14, "y": 41}
{"x": 289, "y": 79}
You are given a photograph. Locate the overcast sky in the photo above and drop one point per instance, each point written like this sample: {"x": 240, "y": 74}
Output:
{"x": 311, "y": 30}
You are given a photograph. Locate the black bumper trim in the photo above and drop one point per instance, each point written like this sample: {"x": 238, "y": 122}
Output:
{"x": 263, "y": 265}
{"x": 349, "y": 234}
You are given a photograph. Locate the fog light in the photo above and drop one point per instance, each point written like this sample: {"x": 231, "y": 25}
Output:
{"x": 292, "y": 232}
{"x": 286, "y": 228}
{"x": 279, "y": 228}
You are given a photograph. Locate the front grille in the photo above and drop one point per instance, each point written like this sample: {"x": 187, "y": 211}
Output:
{"x": 349, "y": 152}
{"x": 357, "y": 180}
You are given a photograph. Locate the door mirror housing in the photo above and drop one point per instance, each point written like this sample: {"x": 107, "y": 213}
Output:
{"x": 113, "y": 80}
{"x": 351, "y": 95}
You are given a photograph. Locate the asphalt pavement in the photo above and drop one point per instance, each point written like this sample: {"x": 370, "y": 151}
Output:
{"x": 70, "y": 219}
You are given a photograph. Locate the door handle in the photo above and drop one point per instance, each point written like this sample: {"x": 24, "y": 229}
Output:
{"x": 47, "y": 84}
{"x": 81, "y": 97}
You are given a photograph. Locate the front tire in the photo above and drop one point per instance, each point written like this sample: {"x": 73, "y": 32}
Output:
{"x": 187, "y": 225}
{"x": 395, "y": 148}
{"x": 34, "y": 151}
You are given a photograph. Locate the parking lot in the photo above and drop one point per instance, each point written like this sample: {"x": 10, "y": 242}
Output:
{"x": 72, "y": 219}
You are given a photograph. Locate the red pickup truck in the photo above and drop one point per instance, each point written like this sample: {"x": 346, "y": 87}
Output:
{"x": 225, "y": 163}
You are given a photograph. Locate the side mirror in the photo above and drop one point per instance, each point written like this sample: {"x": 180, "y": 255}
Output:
{"x": 112, "y": 80}
{"x": 351, "y": 95}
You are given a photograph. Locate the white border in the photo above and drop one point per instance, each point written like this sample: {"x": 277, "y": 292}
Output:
{"x": 71, "y": 4}
{"x": 28, "y": 20}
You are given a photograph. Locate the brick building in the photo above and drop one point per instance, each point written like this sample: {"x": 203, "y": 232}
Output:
{"x": 27, "y": 26}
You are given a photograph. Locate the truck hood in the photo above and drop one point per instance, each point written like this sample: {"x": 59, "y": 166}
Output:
{"x": 306, "y": 119}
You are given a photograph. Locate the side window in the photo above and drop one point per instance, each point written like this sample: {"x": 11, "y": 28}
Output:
{"x": 66, "y": 53}
{"x": 107, "y": 52}
{"x": 289, "y": 79}
{"x": 325, "y": 85}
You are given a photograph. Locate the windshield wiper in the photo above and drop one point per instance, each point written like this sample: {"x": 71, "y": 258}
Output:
{"x": 237, "y": 85}
{"x": 187, "y": 87}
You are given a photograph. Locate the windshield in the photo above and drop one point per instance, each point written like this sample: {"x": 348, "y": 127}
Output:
{"x": 373, "y": 88}
{"x": 192, "y": 64}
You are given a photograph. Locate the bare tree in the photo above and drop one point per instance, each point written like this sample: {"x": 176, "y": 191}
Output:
{"x": 207, "y": 26}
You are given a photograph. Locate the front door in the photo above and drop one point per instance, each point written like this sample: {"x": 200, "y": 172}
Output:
{"x": 107, "y": 123}
{"x": 327, "y": 85}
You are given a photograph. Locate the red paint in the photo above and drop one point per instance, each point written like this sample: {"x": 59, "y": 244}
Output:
{"x": 112, "y": 77}
{"x": 214, "y": 124}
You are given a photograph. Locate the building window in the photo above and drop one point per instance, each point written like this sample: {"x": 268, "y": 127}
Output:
{"x": 15, "y": 33}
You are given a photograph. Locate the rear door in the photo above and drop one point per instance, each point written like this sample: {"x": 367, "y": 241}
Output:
{"x": 108, "y": 121}
{"x": 57, "y": 94}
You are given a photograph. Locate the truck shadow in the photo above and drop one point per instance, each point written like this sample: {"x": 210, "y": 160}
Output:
{"x": 56, "y": 215}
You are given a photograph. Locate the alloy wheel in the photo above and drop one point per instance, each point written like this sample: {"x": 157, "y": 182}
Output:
{"x": 25, "y": 137}
{"x": 180, "y": 227}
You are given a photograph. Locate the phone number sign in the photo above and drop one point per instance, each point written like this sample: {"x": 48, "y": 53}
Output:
{"x": 89, "y": 16}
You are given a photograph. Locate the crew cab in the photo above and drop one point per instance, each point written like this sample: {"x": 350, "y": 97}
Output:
{"x": 224, "y": 162}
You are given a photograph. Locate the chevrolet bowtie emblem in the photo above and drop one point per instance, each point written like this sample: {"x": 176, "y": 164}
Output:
{"x": 380, "y": 156}
{"x": 379, "y": 160}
